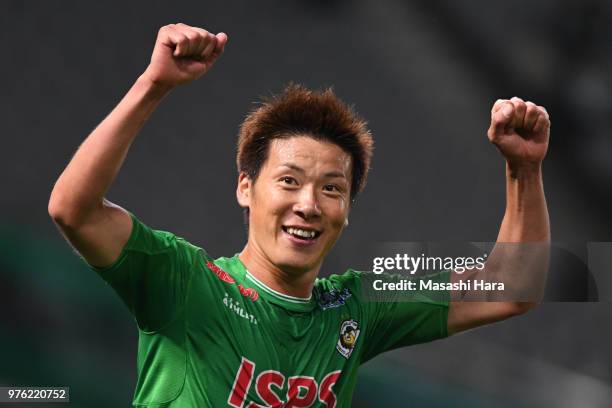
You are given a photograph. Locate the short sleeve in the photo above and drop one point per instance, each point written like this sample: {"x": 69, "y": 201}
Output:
{"x": 151, "y": 275}
{"x": 398, "y": 319}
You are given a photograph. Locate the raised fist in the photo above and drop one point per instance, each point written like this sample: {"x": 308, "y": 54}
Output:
{"x": 183, "y": 53}
{"x": 520, "y": 130}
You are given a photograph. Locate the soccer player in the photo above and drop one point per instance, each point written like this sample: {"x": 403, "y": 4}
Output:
{"x": 258, "y": 328}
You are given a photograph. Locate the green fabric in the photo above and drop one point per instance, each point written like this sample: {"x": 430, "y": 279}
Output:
{"x": 211, "y": 335}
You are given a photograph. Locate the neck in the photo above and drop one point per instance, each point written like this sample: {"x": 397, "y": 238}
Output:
{"x": 292, "y": 284}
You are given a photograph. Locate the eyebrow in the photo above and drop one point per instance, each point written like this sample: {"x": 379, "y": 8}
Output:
{"x": 301, "y": 170}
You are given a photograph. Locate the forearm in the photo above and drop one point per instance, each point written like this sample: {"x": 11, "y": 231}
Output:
{"x": 520, "y": 257}
{"x": 526, "y": 217}
{"x": 82, "y": 186}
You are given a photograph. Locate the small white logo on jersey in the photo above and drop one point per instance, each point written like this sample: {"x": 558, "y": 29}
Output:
{"x": 349, "y": 332}
{"x": 235, "y": 307}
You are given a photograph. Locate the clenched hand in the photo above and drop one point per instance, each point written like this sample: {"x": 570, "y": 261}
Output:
{"x": 182, "y": 54}
{"x": 520, "y": 130}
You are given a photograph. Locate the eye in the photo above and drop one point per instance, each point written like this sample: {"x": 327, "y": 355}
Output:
{"x": 288, "y": 180}
{"x": 331, "y": 188}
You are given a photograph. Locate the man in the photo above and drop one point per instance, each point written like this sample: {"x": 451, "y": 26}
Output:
{"x": 259, "y": 329}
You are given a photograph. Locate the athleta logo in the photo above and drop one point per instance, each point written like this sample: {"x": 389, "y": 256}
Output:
{"x": 302, "y": 391}
{"x": 235, "y": 307}
{"x": 225, "y": 277}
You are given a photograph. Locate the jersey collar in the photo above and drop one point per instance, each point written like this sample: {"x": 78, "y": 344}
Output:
{"x": 292, "y": 303}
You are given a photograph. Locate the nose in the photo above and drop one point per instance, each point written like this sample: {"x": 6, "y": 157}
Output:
{"x": 307, "y": 205}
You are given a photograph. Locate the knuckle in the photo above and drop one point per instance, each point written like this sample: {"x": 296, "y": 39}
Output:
{"x": 211, "y": 43}
{"x": 207, "y": 39}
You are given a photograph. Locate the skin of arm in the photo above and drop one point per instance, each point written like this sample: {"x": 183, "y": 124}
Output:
{"x": 97, "y": 228}
{"x": 520, "y": 130}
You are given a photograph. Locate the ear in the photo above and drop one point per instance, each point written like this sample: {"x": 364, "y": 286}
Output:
{"x": 244, "y": 190}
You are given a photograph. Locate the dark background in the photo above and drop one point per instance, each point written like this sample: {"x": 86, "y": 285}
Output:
{"x": 424, "y": 74}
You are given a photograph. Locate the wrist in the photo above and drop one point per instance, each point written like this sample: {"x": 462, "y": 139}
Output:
{"x": 152, "y": 87}
{"x": 524, "y": 171}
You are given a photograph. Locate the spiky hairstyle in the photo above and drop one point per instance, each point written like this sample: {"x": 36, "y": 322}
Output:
{"x": 299, "y": 111}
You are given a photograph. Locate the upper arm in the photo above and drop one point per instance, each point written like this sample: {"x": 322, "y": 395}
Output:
{"x": 101, "y": 236}
{"x": 465, "y": 315}
{"x": 149, "y": 269}
{"x": 397, "y": 318}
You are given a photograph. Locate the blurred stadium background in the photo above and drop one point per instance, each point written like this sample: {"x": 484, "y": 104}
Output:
{"x": 423, "y": 73}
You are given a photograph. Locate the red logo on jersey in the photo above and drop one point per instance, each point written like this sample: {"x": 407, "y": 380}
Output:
{"x": 302, "y": 391}
{"x": 248, "y": 292}
{"x": 224, "y": 276}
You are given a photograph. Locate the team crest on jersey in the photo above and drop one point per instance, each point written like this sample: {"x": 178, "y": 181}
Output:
{"x": 333, "y": 298}
{"x": 349, "y": 333}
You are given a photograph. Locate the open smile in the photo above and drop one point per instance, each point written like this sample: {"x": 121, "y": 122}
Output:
{"x": 301, "y": 235}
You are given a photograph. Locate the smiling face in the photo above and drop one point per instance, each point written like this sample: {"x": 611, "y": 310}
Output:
{"x": 299, "y": 202}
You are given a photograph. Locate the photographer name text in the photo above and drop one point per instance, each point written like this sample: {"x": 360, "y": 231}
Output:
{"x": 421, "y": 285}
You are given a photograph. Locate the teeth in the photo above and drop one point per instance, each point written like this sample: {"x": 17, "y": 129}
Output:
{"x": 301, "y": 232}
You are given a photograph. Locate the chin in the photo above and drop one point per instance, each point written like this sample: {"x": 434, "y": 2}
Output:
{"x": 296, "y": 266}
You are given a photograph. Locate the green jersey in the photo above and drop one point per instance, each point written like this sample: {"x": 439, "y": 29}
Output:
{"x": 212, "y": 335}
